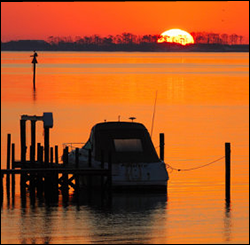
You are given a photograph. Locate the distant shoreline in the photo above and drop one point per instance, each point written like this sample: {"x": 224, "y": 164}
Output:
{"x": 40, "y": 45}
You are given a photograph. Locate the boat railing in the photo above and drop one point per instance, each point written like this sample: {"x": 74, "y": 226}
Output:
{"x": 73, "y": 145}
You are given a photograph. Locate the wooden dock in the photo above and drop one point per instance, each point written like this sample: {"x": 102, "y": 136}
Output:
{"x": 42, "y": 175}
{"x": 53, "y": 180}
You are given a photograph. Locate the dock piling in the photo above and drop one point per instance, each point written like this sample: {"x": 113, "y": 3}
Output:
{"x": 40, "y": 171}
{"x": 162, "y": 143}
{"x": 33, "y": 139}
{"x": 228, "y": 170}
{"x": 51, "y": 156}
{"x": 34, "y": 76}
{"x": 65, "y": 189}
{"x": 1, "y": 189}
{"x": 56, "y": 154}
{"x": 77, "y": 184}
{"x": 41, "y": 155}
{"x": 8, "y": 166}
{"x": 38, "y": 151}
{"x": 46, "y": 146}
{"x": 13, "y": 175}
{"x": 23, "y": 140}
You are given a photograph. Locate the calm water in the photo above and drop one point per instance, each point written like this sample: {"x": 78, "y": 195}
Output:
{"x": 202, "y": 102}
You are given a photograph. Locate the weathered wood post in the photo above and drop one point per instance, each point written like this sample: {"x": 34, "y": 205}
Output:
{"x": 13, "y": 175}
{"x": 31, "y": 155}
{"x": 38, "y": 151}
{"x": 56, "y": 154}
{"x": 46, "y": 146}
{"x": 23, "y": 140}
{"x": 41, "y": 155}
{"x": 51, "y": 156}
{"x": 77, "y": 157}
{"x": 77, "y": 175}
{"x": 162, "y": 143}
{"x": 1, "y": 189}
{"x": 8, "y": 166}
{"x": 23, "y": 159}
{"x": 32, "y": 177}
{"x": 34, "y": 61}
{"x": 65, "y": 188}
{"x": 34, "y": 76}
{"x": 33, "y": 140}
{"x": 228, "y": 170}
{"x": 47, "y": 124}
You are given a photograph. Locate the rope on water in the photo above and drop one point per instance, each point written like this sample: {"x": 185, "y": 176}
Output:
{"x": 189, "y": 169}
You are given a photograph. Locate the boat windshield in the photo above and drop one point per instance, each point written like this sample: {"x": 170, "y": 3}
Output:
{"x": 88, "y": 145}
{"x": 128, "y": 145}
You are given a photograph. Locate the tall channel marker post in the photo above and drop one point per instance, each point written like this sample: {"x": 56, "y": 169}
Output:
{"x": 228, "y": 171}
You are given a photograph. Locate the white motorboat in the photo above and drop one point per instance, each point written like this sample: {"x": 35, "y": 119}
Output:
{"x": 128, "y": 145}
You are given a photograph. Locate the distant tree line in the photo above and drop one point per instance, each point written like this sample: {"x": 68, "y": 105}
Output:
{"x": 111, "y": 42}
{"x": 215, "y": 38}
{"x": 129, "y": 38}
{"x": 129, "y": 42}
{"x": 124, "y": 38}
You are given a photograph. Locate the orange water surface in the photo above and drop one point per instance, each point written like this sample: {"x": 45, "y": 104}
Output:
{"x": 202, "y": 102}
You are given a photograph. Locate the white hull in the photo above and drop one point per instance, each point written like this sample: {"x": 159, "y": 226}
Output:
{"x": 128, "y": 175}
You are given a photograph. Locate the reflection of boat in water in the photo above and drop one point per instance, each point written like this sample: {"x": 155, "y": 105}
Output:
{"x": 129, "y": 202}
{"x": 135, "y": 163}
{"x": 133, "y": 218}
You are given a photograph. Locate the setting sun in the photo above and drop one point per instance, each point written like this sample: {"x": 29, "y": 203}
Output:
{"x": 176, "y": 36}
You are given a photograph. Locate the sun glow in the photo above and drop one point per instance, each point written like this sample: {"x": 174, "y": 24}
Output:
{"x": 176, "y": 36}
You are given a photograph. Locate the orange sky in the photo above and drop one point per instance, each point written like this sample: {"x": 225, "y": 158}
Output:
{"x": 39, "y": 20}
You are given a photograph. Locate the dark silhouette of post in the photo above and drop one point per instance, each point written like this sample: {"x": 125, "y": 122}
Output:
{"x": 56, "y": 154}
{"x": 47, "y": 124}
{"x": 77, "y": 185}
{"x": 33, "y": 140}
{"x": 23, "y": 160}
{"x": 228, "y": 170}
{"x": 162, "y": 143}
{"x": 46, "y": 146}
{"x": 65, "y": 189}
{"x": 34, "y": 61}
{"x": 8, "y": 165}
{"x": 13, "y": 175}
{"x": 23, "y": 140}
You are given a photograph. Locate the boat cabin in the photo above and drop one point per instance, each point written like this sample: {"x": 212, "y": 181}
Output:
{"x": 127, "y": 142}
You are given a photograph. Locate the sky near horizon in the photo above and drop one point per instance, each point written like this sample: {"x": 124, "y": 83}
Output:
{"x": 39, "y": 20}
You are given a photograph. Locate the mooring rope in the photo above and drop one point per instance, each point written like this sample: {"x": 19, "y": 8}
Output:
{"x": 189, "y": 169}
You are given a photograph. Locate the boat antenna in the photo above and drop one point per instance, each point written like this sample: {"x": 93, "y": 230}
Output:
{"x": 132, "y": 118}
{"x": 152, "y": 126}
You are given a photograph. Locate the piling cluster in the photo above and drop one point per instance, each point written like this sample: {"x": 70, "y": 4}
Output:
{"x": 42, "y": 175}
